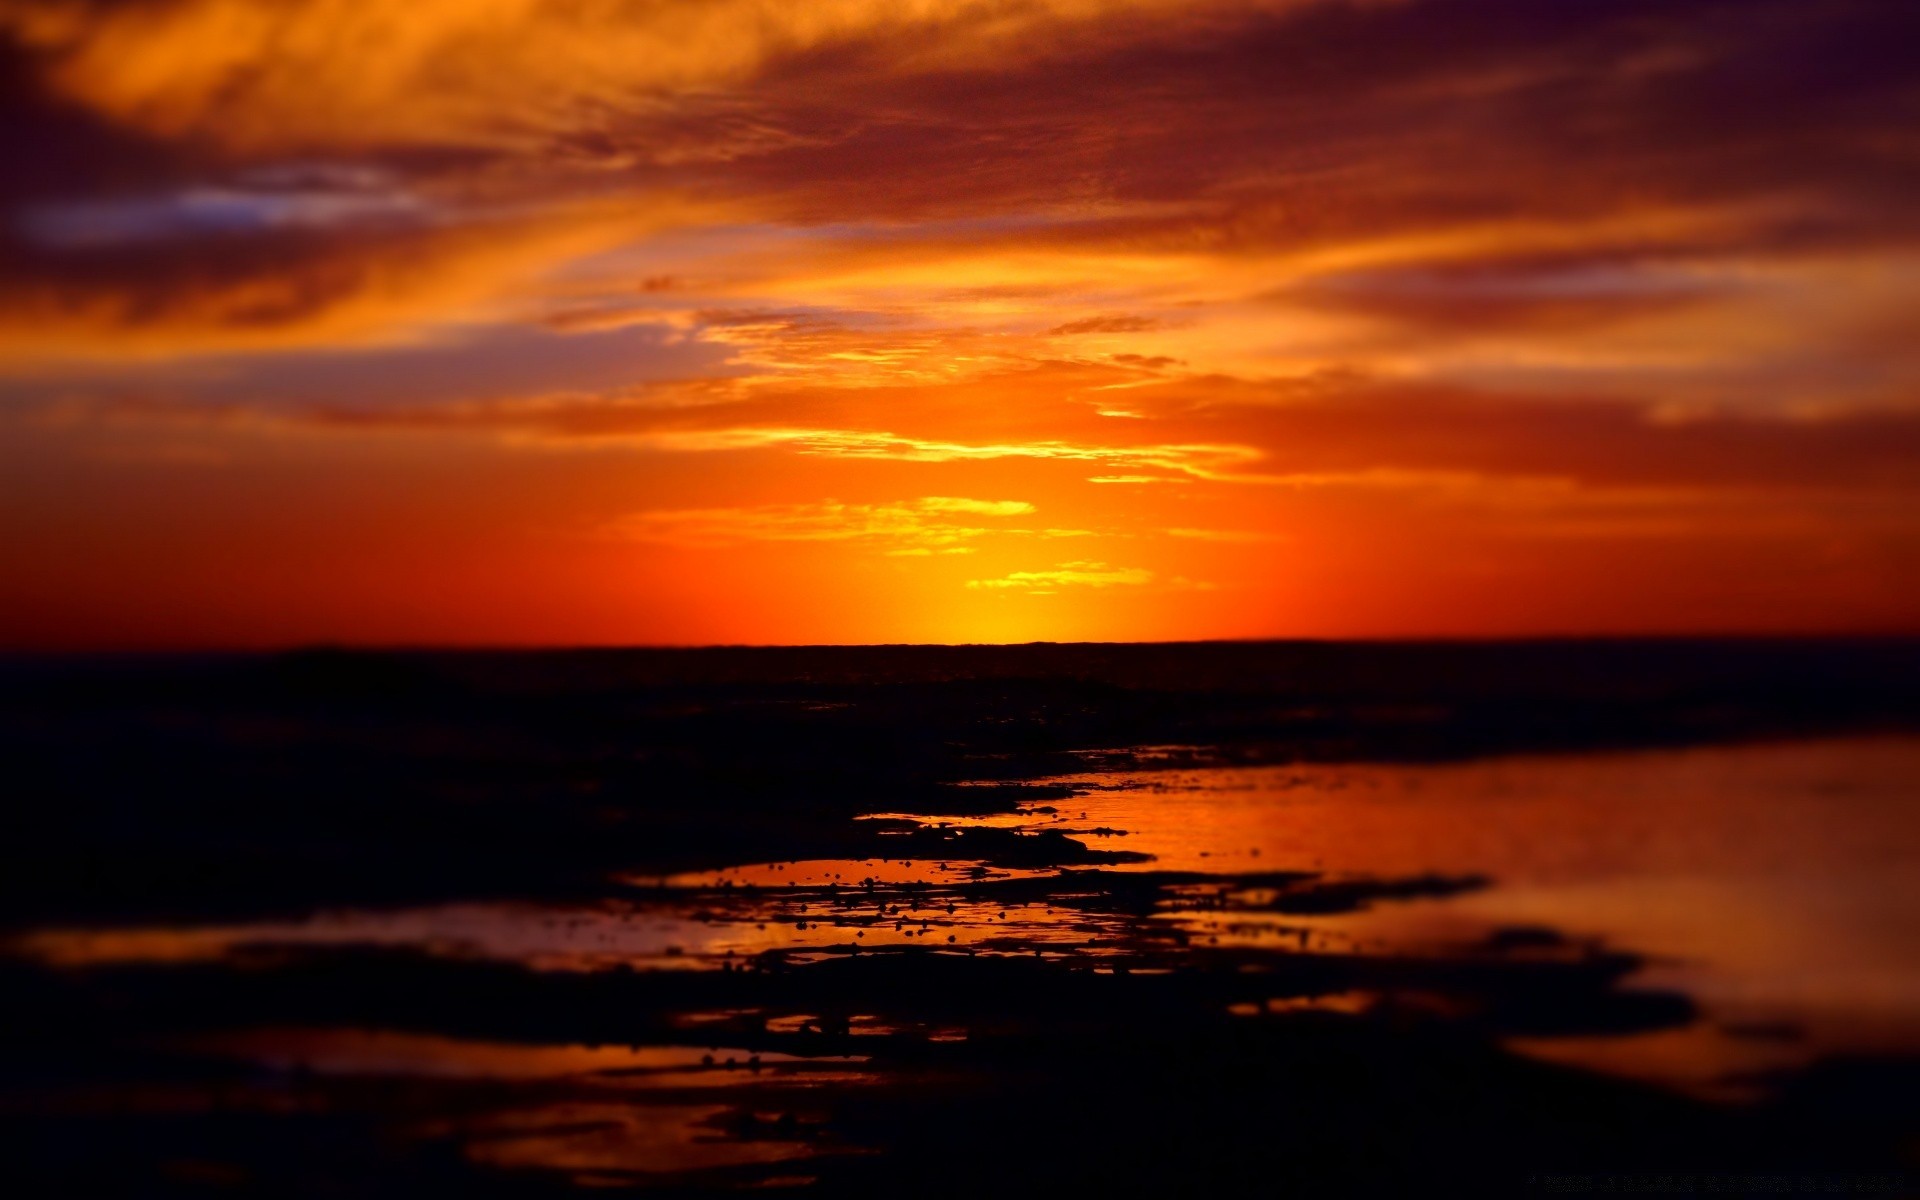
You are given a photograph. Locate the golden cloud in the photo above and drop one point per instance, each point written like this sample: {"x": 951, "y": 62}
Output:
{"x": 476, "y": 72}
{"x": 1066, "y": 575}
{"x": 913, "y": 527}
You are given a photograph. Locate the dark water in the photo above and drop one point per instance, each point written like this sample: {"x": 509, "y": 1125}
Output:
{"x": 1151, "y": 920}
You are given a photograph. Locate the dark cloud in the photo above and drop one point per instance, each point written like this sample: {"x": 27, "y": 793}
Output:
{"x": 1356, "y": 425}
{"x": 56, "y": 149}
{"x": 1493, "y": 294}
{"x": 1216, "y": 130}
{"x": 1335, "y": 119}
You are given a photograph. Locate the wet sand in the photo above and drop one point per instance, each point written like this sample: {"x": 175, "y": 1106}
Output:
{"x": 1141, "y": 920}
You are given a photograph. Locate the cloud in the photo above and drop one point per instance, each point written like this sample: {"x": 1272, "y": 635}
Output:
{"x": 1200, "y": 461}
{"x": 475, "y": 72}
{"x": 1599, "y": 296}
{"x": 214, "y": 212}
{"x": 1490, "y": 293}
{"x": 928, "y": 175}
{"x": 1242, "y": 537}
{"x": 910, "y": 528}
{"x": 1066, "y": 575}
{"x": 986, "y": 508}
{"x": 1349, "y": 432}
{"x": 1113, "y": 324}
{"x": 133, "y": 283}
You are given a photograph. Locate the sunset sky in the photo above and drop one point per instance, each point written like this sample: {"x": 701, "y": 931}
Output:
{"x": 691, "y": 321}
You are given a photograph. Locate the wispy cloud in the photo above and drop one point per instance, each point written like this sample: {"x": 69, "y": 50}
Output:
{"x": 910, "y": 527}
{"x": 985, "y": 508}
{"x": 1212, "y": 462}
{"x": 1066, "y": 575}
{"x": 1110, "y": 324}
{"x": 1244, "y": 537}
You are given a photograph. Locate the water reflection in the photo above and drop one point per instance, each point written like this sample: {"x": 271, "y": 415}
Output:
{"x": 1576, "y": 907}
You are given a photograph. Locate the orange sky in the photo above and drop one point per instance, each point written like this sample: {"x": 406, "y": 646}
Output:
{"x": 686, "y": 321}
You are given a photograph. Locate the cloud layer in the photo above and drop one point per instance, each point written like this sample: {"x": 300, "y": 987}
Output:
{"x": 1503, "y": 296}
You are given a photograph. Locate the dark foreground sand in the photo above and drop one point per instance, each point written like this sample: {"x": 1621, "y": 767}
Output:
{"x": 410, "y": 924}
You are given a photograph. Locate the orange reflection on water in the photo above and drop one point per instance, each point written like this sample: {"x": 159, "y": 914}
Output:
{"x": 395, "y": 1053}
{"x": 1772, "y": 883}
{"x": 614, "y": 1143}
{"x": 555, "y": 938}
{"x": 619, "y": 1112}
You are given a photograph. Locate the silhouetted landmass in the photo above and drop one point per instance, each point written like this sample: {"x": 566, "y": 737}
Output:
{"x": 162, "y": 786}
{"x": 1118, "y": 1055}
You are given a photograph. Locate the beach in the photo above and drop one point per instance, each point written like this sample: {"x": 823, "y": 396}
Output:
{"x": 884, "y": 921}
